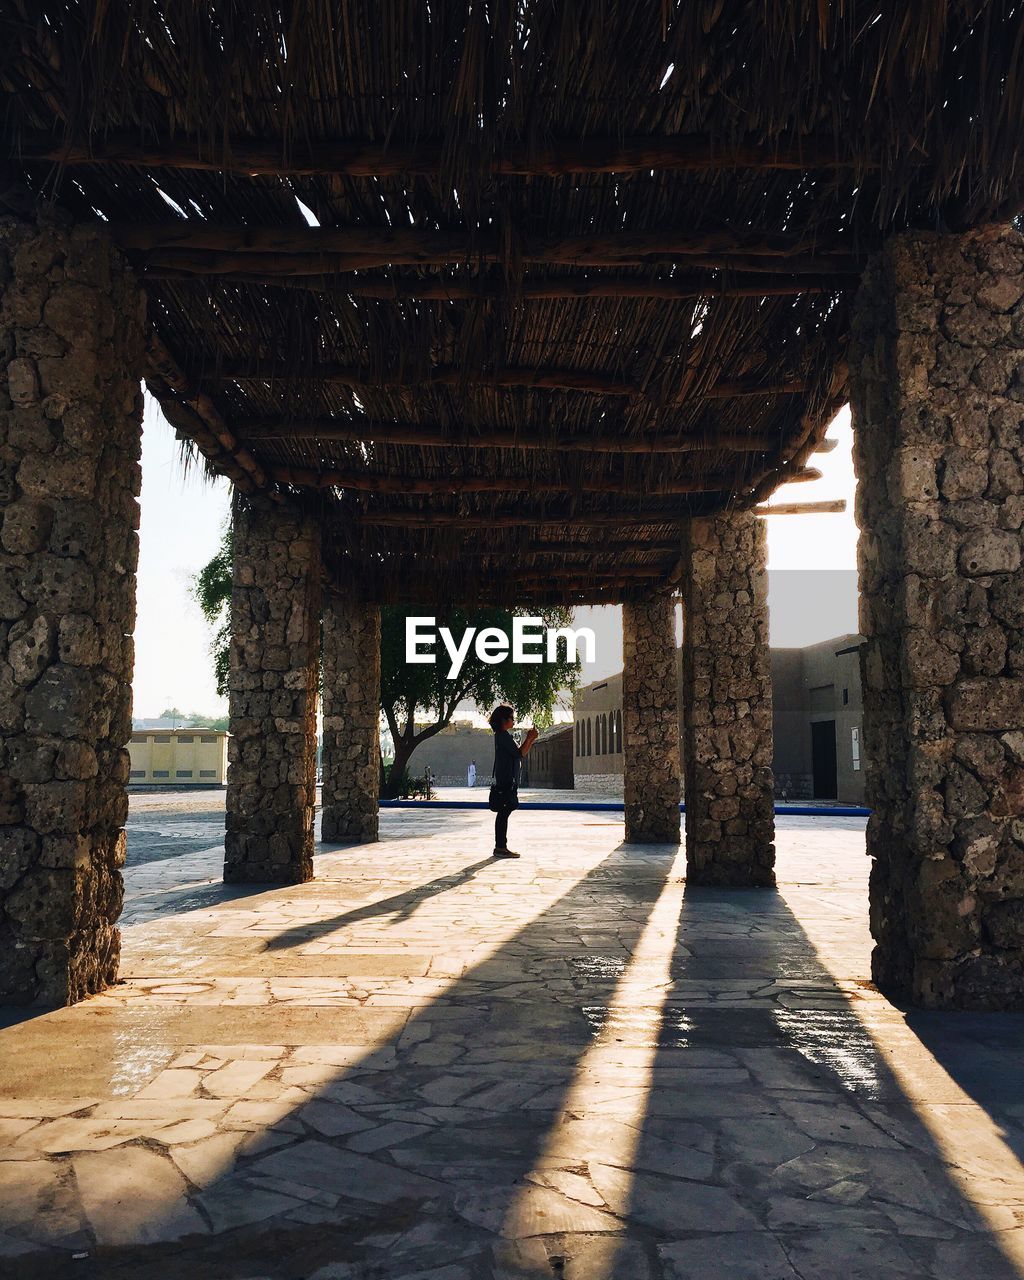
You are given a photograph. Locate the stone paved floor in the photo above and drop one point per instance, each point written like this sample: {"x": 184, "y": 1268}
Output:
{"x": 434, "y": 1066}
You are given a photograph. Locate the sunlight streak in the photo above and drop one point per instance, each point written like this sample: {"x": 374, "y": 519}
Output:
{"x": 981, "y": 1165}
{"x": 157, "y": 1087}
{"x": 610, "y": 1070}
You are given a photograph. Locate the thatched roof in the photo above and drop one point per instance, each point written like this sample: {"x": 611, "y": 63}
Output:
{"x": 580, "y": 267}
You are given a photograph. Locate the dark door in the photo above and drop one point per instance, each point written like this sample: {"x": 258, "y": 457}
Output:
{"x": 823, "y": 759}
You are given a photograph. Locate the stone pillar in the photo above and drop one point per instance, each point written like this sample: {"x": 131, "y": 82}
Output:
{"x": 650, "y": 720}
{"x": 727, "y": 703}
{"x": 938, "y": 409}
{"x": 275, "y": 667}
{"x": 72, "y": 322}
{"x": 351, "y": 753}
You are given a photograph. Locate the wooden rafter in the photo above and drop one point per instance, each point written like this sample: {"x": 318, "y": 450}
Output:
{"x": 540, "y": 378}
{"x": 244, "y": 246}
{"x": 520, "y": 519}
{"x": 194, "y": 415}
{"x": 499, "y": 438}
{"x": 637, "y": 517}
{"x": 679, "y": 287}
{"x": 367, "y": 482}
{"x": 356, "y": 158}
{"x": 313, "y": 268}
{"x": 825, "y": 507}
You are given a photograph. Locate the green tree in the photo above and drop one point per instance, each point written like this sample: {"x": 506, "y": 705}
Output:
{"x": 212, "y": 589}
{"x": 419, "y": 700}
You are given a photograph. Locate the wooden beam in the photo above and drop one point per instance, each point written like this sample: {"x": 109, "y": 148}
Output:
{"x": 505, "y": 438}
{"x": 602, "y": 549}
{"x": 545, "y": 379}
{"x": 365, "y": 482}
{"x": 241, "y": 247}
{"x": 566, "y": 551}
{"x": 519, "y": 519}
{"x": 584, "y": 576}
{"x": 814, "y": 422}
{"x": 583, "y": 572}
{"x": 362, "y": 158}
{"x": 825, "y": 507}
{"x": 195, "y": 415}
{"x": 315, "y": 268}
{"x": 826, "y": 446}
{"x": 431, "y": 289}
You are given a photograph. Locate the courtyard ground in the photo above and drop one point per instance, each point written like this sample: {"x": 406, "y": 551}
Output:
{"x": 431, "y": 1065}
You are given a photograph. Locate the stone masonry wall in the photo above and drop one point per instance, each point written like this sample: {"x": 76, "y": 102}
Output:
{"x": 275, "y": 656}
{"x": 727, "y": 703}
{"x": 937, "y": 372}
{"x": 351, "y": 749}
{"x": 650, "y": 720}
{"x": 71, "y": 344}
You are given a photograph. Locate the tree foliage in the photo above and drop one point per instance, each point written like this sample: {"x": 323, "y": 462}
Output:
{"x": 211, "y": 587}
{"x": 417, "y": 699}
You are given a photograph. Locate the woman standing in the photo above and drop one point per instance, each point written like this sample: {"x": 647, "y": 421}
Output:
{"x": 508, "y": 761}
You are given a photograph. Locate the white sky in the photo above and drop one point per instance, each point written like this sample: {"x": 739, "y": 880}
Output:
{"x": 183, "y": 516}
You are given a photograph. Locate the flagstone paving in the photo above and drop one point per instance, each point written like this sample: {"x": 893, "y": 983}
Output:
{"x": 430, "y": 1065}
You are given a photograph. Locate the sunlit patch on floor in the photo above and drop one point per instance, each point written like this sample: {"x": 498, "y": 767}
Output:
{"x": 836, "y": 1040}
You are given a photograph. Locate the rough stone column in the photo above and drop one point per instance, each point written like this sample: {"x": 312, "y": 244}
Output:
{"x": 275, "y": 659}
{"x": 727, "y": 703}
{"x": 650, "y": 720}
{"x": 351, "y": 752}
{"x": 71, "y": 350}
{"x": 938, "y": 410}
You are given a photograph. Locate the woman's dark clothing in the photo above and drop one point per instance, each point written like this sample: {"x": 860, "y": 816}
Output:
{"x": 508, "y": 760}
{"x": 508, "y": 763}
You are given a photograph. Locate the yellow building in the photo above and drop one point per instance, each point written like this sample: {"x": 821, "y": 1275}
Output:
{"x": 179, "y": 757}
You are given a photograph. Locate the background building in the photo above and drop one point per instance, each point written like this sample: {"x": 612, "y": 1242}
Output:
{"x": 817, "y": 713}
{"x": 448, "y": 755}
{"x": 550, "y": 762}
{"x": 179, "y": 757}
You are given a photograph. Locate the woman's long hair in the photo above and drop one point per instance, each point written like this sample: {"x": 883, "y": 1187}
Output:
{"x": 498, "y": 717}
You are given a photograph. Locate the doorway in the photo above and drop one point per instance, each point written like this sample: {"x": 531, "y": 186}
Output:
{"x": 823, "y": 760}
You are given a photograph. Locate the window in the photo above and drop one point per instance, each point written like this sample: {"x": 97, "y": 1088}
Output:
{"x": 618, "y": 731}
{"x": 579, "y": 731}
{"x": 183, "y": 773}
{"x": 186, "y": 737}
{"x": 137, "y": 773}
{"x": 207, "y": 773}
{"x": 590, "y": 739}
{"x": 140, "y": 737}
{"x": 208, "y": 737}
{"x": 161, "y": 737}
{"x": 160, "y": 773}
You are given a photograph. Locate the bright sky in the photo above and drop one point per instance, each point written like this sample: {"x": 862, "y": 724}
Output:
{"x": 183, "y": 515}
{"x": 810, "y": 558}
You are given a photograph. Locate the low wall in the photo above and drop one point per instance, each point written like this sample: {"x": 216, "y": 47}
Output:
{"x": 598, "y": 783}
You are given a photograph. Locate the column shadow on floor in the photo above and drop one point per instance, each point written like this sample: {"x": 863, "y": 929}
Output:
{"x": 768, "y": 1134}
{"x": 827, "y": 1164}
{"x": 400, "y": 906}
